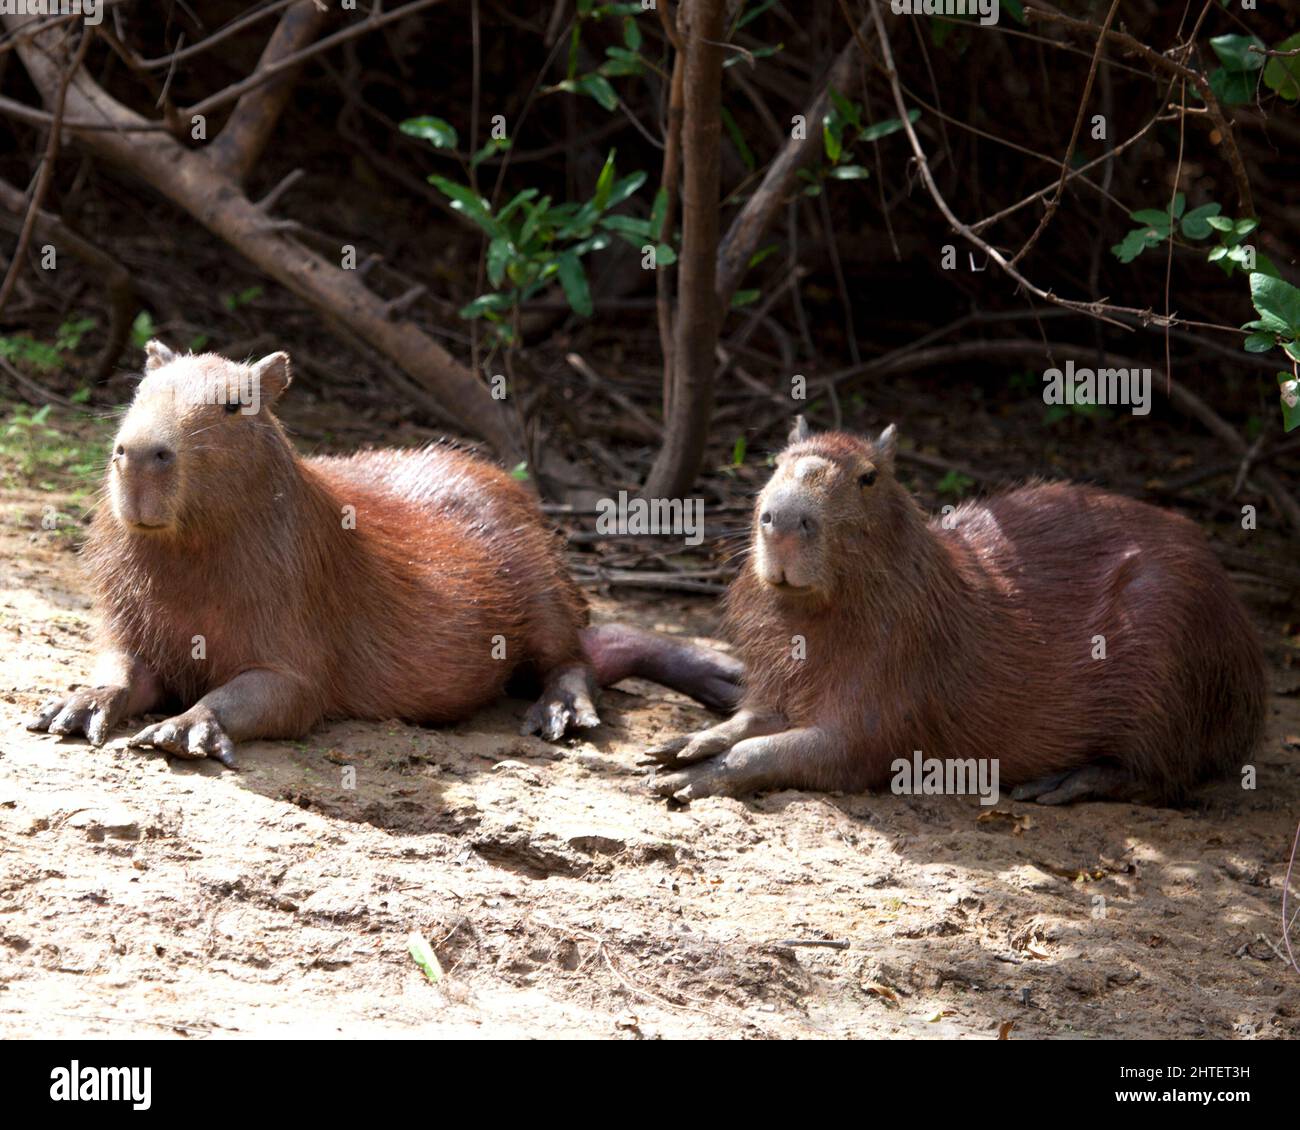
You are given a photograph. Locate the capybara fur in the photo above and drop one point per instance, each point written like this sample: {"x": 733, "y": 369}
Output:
{"x": 263, "y": 592}
{"x": 1091, "y": 644}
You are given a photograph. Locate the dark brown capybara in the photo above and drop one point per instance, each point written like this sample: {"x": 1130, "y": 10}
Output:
{"x": 261, "y": 592}
{"x": 869, "y": 632}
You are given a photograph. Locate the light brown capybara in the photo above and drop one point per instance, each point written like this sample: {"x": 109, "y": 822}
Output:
{"x": 869, "y": 632}
{"x": 261, "y": 592}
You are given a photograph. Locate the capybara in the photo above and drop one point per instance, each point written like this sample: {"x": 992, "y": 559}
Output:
{"x": 1091, "y": 644}
{"x": 261, "y": 592}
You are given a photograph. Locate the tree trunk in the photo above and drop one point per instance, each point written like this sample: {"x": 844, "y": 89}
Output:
{"x": 698, "y": 313}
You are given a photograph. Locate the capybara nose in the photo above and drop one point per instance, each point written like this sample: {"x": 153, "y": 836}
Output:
{"x": 141, "y": 456}
{"x": 781, "y": 519}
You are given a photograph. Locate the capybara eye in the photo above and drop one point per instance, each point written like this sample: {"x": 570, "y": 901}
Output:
{"x": 232, "y": 407}
{"x": 866, "y": 478}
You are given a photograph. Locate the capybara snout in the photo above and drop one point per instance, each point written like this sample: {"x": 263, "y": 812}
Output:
{"x": 843, "y": 486}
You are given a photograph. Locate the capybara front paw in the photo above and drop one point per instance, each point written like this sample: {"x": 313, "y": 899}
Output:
{"x": 194, "y": 735}
{"x": 689, "y": 749}
{"x": 557, "y": 711}
{"x": 92, "y": 711}
{"x": 695, "y": 783}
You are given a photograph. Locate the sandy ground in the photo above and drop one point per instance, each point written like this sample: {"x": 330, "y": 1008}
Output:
{"x": 141, "y": 897}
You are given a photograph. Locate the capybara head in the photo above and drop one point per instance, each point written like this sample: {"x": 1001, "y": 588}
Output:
{"x": 198, "y": 425}
{"x": 832, "y": 498}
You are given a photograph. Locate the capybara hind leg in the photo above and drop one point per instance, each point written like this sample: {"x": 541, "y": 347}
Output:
{"x": 1092, "y": 782}
{"x": 254, "y": 704}
{"x": 792, "y": 759}
{"x": 618, "y": 651}
{"x": 717, "y": 739}
{"x": 566, "y": 701}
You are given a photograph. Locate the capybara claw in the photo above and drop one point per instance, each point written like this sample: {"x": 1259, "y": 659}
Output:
{"x": 193, "y": 736}
{"x": 1091, "y": 782}
{"x": 558, "y": 711}
{"x": 667, "y": 754}
{"x": 91, "y": 711}
{"x": 692, "y": 784}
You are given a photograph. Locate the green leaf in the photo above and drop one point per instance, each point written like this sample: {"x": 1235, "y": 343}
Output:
{"x": 1282, "y": 75}
{"x": 625, "y": 188}
{"x": 1259, "y": 343}
{"x": 574, "y": 281}
{"x": 519, "y": 472}
{"x": 1217, "y": 253}
{"x": 848, "y": 110}
{"x": 1232, "y": 88}
{"x": 1151, "y": 216}
{"x": 1016, "y": 9}
{"x": 631, "y": 33}
{"x": 1289, "y": 394}
{"x": 604, "y": 183}
{"x": 877, "y": 130}
{"x": 1219, "y": 223}
{"x": 658, "y": 213}
{"x": 142, "y": 329}
{"x": 1196, "y": 223}
{"x": 597, "y": 87}
{"x": 420, "y": 950}
{"x": 494, "y": 146}
{"x": 665, "y": 256}
{"x": 1292, "y": 349}
{"x": 517, "y": 201}
{"x": 534, "y": 223}
{"x": 761, "y": 254}
{"x": 621, "y": 62}
{"x": 848, "y": 172}
{"x": 1276, "y": 299}
{"x": 485, "y": 304}
{"x": 1246, "y": 226}
{"x": 468, "y": 202}
{"x": 629, "y": 225}
{"x": 1180, "y": 202}
{"x": 744, "y": 298}
{"x": 832, "y": 137}
{"x": 438, "y": 133}
{"x": 738, "y": 451}
{"x": 500, "y": 251}
{"x": 1235, "y": 54}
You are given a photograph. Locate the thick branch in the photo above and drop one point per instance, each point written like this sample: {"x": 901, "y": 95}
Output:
{"x": 191, "y": 180}
{"x": 753, "y": 220}
{"x": 244, "y": 136}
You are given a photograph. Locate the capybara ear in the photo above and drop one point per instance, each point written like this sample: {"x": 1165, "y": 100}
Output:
{"x": 156, "y": 355}
{"x": 886, "y": 444}
{"x": 800, "y": 430}
{"x": 273, "y": 374}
